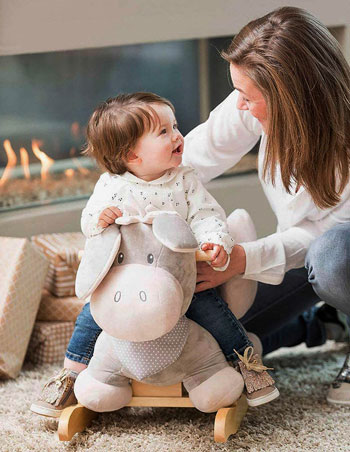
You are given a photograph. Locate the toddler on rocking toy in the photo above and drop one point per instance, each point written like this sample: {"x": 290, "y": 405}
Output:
{"x": 135, "y": 138}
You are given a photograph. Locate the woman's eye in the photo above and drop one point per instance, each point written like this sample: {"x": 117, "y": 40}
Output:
{"x": 120, "y": 258}
{"x": 245, "y": 99}
{"x": 150, "y": 258}
{"x": 163, "y": 131}
{"x": 175, "y": 126}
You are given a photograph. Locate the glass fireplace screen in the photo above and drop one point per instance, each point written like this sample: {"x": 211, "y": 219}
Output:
{"x": 47, "y": 98}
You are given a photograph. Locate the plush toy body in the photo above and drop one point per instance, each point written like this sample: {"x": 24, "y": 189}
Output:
{"x": 142, "y": 279}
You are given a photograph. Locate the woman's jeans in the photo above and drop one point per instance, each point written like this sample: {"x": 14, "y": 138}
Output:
{"x": 281, "y": 315}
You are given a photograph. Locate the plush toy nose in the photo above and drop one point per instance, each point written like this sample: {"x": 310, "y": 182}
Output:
{"x": 137, "y": 302}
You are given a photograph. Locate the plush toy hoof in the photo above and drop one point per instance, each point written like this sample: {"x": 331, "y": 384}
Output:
{"x": 74, "y": 419}
{"x": 228, "y": 420}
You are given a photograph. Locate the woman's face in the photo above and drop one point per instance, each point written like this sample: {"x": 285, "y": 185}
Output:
{"x": 250, "y": 97}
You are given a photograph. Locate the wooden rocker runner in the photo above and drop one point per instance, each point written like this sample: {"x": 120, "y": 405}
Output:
{"x": 76, "y": 418}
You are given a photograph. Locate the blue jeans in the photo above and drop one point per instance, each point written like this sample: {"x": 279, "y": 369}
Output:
{"x": 281, "y": 315}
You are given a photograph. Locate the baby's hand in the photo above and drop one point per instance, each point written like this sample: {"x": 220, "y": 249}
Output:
{"x": 108, "y": 216}
{"x": 219, "y": 257}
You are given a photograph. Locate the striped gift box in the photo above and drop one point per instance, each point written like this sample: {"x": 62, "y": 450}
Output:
{"x": 49, "y": 342}
{"x": 62, "y": 309}
{"x": 62, "y": 251}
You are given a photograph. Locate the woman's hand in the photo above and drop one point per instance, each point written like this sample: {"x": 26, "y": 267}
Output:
{"x": 208, "y": 278}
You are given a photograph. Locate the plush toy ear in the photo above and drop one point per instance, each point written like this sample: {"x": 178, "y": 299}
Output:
{"x": 174, "y": 233}
{"x": 99, "y": 254}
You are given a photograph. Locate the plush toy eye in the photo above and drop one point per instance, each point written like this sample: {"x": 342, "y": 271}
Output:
{"x": 150, "y": 258}
{"x": 117, "y": 296}
{"x": 120, "y": 258}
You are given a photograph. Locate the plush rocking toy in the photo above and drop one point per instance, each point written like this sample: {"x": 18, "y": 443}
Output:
{"x": 141, "y": 278}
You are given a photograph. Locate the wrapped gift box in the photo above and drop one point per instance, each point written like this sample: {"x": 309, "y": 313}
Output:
{"x": 49, "y": 342}
{"x": 62, "y": 251}
{"x": 62, "y": 309}
{"x": 22, "y": 274}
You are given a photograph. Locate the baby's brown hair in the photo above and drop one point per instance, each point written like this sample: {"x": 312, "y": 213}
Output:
{"x": 116, "y": 125}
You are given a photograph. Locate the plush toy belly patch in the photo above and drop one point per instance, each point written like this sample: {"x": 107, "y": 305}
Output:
{"x": 143, "y": 359}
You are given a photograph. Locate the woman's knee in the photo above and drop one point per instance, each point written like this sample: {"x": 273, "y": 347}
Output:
{"x": 328, "y": 265}
{"x": 331, "y": 249}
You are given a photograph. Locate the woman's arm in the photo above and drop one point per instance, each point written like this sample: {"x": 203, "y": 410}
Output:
{"x": 269, "y": 258}
{"x": 219, "y": 143}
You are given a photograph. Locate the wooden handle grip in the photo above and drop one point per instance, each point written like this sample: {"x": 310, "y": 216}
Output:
{"x": 204, "y": 256}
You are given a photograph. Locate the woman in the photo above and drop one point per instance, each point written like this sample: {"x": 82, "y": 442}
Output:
{"x": 292, "y": 88}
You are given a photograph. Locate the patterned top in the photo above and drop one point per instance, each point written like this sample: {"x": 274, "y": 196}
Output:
{"x": 178, "y": 190}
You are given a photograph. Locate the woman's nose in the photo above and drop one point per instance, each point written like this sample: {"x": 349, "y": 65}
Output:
{"x": 241, "y": 103}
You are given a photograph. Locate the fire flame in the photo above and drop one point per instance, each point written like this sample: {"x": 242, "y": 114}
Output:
{"x": 11, "y": 162}
{"x": 69, "y": 172}
{"x": 46, "y": 161}
{"x": 25, "y": 162}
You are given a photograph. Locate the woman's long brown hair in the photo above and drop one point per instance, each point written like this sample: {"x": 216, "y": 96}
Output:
{"x": 300, "y": 70}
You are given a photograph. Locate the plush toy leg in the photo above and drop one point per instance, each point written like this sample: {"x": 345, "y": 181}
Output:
{"x": 220, "y": 390}
{"x": 241, "y": 226}
{"x": 98, "y": 396}
{"x": 256, "y": 343}
{"x": 240, "y": 293}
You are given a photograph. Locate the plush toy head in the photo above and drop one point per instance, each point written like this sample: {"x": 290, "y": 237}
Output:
{"x": 141, "y": 276}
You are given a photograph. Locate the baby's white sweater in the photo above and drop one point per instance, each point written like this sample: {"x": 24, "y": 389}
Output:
{"x": 179, "y": 190}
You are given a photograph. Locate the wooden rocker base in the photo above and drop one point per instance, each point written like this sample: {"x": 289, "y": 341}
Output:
{"x": 76, "y": 418}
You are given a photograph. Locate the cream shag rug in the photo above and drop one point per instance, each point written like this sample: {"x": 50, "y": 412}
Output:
{"x": 300, "y": 420}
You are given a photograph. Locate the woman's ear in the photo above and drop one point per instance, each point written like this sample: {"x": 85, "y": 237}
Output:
{"x": 133, "y": 159}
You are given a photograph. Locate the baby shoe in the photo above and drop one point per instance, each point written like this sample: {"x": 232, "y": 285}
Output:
{"x": 56, "y": 395}
{"x": 260, "y": 386}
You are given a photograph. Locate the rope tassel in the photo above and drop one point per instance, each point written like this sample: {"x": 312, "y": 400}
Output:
{"x": 253, "y": 371}
{"x": 251, "y": 361}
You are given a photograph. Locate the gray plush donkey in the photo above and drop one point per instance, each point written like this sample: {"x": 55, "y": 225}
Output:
{"x": 141, "y": 278}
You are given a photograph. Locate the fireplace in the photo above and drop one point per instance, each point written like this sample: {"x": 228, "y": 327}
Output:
{"x": 44, "y": 113}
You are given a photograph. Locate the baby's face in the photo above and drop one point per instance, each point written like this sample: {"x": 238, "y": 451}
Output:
{"x": 159, "y": 149}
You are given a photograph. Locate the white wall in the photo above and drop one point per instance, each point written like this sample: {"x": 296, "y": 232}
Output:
{"x": 28, "y": 26}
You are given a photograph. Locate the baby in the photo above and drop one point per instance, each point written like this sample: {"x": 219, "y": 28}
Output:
{"x": 135, "y": 138}
{"x": 144, "y": 174}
